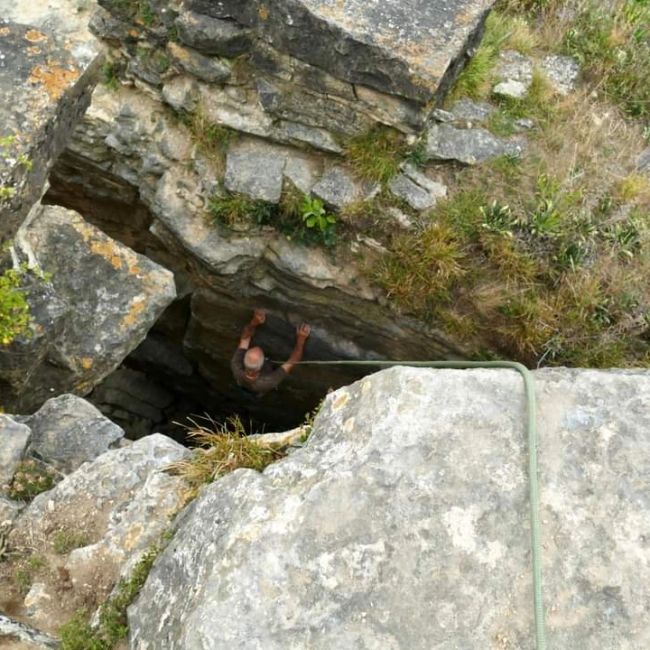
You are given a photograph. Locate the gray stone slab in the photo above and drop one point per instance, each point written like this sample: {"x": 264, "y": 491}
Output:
{"x": 466, "y": 109}
{"x": 212, "y": 35}
{"x": 403, "y": 523}
{"x": 562, "y": 72}
{"x": 206, "y": 68}
{"x": 396, "y": 47}
{"x": 68, "y": 431}
{"x": 469, "y": 146}
{"x": 255, "y": 169}
{"x": 339, "y": 187}
{"x": 14, "y": 438}
{"x": 419, "y": 191}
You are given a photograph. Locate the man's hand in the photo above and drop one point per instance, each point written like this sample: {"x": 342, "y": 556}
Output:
{"x": 259, "y": 316}
{"x": 303, "y": 331}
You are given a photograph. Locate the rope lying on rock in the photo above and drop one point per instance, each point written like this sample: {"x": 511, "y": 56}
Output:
{"x": 533, "y": 483}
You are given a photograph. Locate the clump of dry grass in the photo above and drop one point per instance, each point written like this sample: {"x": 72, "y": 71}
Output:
{"x": 221, "y": 449}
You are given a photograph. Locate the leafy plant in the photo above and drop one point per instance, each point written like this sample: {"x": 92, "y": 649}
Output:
{"x": 14, "y": 308}
{"x": 30, "y": 479}
{"x": 315, "y": 216}
{"x": 109, "y": 75}
{"x": 498, "y": 218}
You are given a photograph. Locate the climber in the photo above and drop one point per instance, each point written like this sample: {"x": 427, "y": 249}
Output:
{"x": 249, "y": 367}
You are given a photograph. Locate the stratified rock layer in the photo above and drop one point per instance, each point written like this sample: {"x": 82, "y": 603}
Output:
{"x": 403, "y": 524}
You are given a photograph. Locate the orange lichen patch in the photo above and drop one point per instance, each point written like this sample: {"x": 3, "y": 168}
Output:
{"x": 106, "y": 249}
{"x": 263, "y": 12}
{"x": 32, "y": 50}
{"x": 136, "y": 308}
{"x": 53, "y": 78}
{"x": 86, "y": 363}
{"x": 134, "y": 33}
{"x": 4, "y": 31}
{"x": 134, "y": 269}
{"x": 34, "y": 36}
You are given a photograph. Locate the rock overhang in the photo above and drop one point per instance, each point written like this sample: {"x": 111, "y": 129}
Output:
{"x": 45, "y": 84}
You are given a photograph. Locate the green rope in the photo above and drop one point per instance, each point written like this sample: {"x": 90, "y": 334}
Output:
{"x": 540, "y": 634}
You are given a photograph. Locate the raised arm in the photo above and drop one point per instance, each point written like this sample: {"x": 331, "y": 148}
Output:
{"x": 302, "y": 333}
{"x": 259, "y": 316}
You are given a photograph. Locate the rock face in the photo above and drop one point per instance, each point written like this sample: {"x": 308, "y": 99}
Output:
{"x": 403, "y": 523}
{"x": 94, "y": 525}
{"x": 45, "y": 86}
{"x": 14, "y": 438}
{"x": 97, "y": 306}
{"x": 68, "y": 431}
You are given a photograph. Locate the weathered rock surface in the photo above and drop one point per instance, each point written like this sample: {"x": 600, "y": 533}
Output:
{"x": 418, "y": 190}
{"x": 114, "y": 508}
{"x": 515, "y": 74}
{"x": 469, "y": 146}
{"x": 106, "y": 298}
{"x": 339, "y": 187}
{"x": 562, "y": 72}
{"x": 45, "y": 86}
{"x": 403, "y": 523}
{"x": 68, "y": 431}
{"x": 9, "y": 510}
{"x": 14, "y": 438}
{"x": 643, "y": 161}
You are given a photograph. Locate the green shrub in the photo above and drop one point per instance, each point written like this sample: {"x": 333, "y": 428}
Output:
{"x": 14, "y": 308}
{"x": 316, "y": 217}
{"x": 30, "y": 479}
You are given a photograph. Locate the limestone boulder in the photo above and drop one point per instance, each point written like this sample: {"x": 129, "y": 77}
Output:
{"x": 469, "y": 146}
{"x": 14, "y": 439}
{"x": 106, "y": 297}
{"x": 404, "y": 523}
{"x": 46, "y": 78}
{"x": 68, "y": 431}
{"x": 94, "y": 525}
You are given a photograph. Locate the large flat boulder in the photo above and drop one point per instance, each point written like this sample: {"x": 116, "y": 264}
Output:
{"x": 68, "y": 431}
{"x": 404, "y": 524}
{"x": 407, "y": 49}
{"x": 96, "y": 304}
{"x": 45, "y": 87}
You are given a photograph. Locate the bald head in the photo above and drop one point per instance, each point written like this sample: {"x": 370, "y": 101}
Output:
{"x": 254, "y": 359}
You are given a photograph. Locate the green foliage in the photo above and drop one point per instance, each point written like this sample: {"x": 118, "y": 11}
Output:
{"x": 612, "y": 43}
{"x": 376, "y": 155}
{"x": 145, "y": 13}
{"x": 315, "y": 216}
{"x": 109, "y": 76}
{"x": 65, "y": 541}
{"x": 497, "y": 218}
{"x": 14, "y": 308}
{"x": 297, "y": 216}
{"x": 212, "y": 140}
{"x": 30, "y": 479}
{"x": 237, "y": 209}
{"x": 77, "y": 634}
{"x": 6, "y": 192}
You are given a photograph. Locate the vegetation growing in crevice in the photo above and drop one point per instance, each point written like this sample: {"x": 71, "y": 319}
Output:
{"x": 211, "y": 139}
{"x": 77, "y": 633}
{"x": 221, "y": 448}
{"x": 376, "y": 155}
{"x": 299, "y": 217}
{"x": 30, "y": 479}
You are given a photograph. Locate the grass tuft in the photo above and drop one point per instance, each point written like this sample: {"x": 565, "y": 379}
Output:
{"x": 222, "y": 448}
{"x": 376, "y": 155}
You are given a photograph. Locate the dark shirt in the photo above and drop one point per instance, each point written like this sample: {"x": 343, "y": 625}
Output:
{"x": 268, "y": 379}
